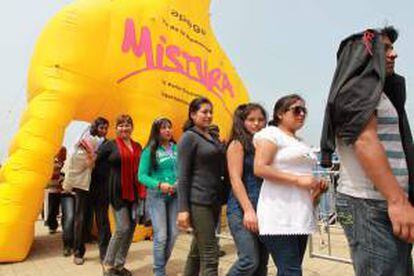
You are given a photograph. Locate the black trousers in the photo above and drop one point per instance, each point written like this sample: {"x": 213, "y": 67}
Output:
{"x": 98, "y": 205}
{"x": 81, "y": 200}
{"x": 68, "y": 213}
{"x": 100, "y": 208}
{"x": 53, "y": 210}
{"x": 88, "y": 221}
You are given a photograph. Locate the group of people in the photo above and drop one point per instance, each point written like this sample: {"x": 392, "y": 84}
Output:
{"x": 76, "y": 187}
{"x": 273, "y": 191}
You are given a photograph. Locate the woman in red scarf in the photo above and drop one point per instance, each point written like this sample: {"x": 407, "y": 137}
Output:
{"x": 125, "y": 192}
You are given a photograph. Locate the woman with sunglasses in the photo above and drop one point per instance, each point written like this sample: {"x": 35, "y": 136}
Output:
{"x": 158, "y": 172}
{"x": 199, "y": 186}
{"x": 285, "y": 208}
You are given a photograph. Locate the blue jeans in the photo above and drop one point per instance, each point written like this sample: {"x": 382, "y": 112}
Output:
{"x": 163, "y": 212}
{"x": 252, "y": 253}
{"x": 374, "y": 248}
{"x": 287, "y": 252}
{"x": 67, "y": 202}
{"x": 121, "y": 240}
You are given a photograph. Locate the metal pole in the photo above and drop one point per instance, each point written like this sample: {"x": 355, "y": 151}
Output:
{"x": 332, "y": 258}
{"x": 328, "y": 232}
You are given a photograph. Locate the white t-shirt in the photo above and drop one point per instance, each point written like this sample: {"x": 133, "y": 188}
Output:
{"x": 353, "y": 181}
{"x": 284, "y": 209}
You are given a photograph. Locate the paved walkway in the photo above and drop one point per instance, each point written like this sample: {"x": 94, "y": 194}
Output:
{"x": 46, "y": 258}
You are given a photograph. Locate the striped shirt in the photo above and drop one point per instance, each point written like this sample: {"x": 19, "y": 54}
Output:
{"x": 353, "y": 181}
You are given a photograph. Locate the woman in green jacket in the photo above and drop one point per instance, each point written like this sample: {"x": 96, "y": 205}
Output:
{"x": 158, "y": 171}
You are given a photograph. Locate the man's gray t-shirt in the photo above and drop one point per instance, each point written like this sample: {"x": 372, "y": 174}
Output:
{"x": 353, "y": 181}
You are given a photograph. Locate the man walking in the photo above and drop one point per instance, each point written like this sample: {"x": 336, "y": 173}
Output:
{"x": 366, "y": 120}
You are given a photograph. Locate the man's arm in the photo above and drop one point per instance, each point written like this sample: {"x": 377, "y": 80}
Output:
{"x": 372, "y": 157}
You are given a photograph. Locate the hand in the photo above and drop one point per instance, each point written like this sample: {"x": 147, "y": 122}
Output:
{"x": 172, "y": 189}
{"x": 307, "y": 182}
{"x": 164, "y": 188}
{"x": 319, "y": 190}
{"x": 323, "y": 185}
{"x": 90, "y": 160}
{"x": 250, "y": 221}
{"x": 183, "y": 221}
{"x": 401, "y": 214}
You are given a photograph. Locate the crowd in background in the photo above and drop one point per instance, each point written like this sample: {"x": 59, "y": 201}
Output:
{"x": 183, "y": 187}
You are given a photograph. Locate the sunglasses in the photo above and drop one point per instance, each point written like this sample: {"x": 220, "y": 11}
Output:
{"x": 298, "y": 110}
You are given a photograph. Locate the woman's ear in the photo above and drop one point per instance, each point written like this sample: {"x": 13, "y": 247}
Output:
{"x": 192, "y": 115}
{"x": 280, "y": 115}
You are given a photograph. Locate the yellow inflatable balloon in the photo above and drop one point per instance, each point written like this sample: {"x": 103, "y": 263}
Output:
{"x": 147, "y": 58}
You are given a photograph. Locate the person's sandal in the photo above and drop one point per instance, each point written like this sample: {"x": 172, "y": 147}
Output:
{"x": 78, "y": 260}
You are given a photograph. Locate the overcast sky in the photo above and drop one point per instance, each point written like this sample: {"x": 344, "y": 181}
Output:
{"x": 277, "y": 47}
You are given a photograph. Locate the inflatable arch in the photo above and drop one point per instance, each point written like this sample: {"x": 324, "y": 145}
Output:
{"x": 147, "y": 58}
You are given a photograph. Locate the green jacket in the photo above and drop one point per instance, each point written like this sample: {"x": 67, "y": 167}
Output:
{"x": 166, "y": 170}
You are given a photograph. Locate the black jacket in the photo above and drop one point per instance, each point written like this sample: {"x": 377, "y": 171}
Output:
{"x": 200, "y": 169}
{"x": 355, "y": 92}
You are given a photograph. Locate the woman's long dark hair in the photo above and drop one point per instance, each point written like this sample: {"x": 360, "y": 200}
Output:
{"x": 239, "y": 131}
{"x": 282, "y": 105}
{"x": 154, "y": 140}
{"x": 95, "y": 125}
{"x": 194, "y": 106}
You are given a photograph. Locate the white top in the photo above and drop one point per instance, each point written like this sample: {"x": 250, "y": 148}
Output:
{"x": 284, "y": 209}
{"x": 77, "y": 172}
{"x": 353, "y": 181}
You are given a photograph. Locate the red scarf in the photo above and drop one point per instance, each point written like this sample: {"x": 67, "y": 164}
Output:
{"x": 129, "y": 170}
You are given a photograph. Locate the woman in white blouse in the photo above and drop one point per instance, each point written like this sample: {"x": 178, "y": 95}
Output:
{"x": 285, "y": 208}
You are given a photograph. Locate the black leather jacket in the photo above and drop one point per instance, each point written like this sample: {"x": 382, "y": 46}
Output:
{"x": 355, "y": 91}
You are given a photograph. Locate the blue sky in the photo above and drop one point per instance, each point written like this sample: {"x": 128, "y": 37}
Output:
{"x": 277, "y": 47}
